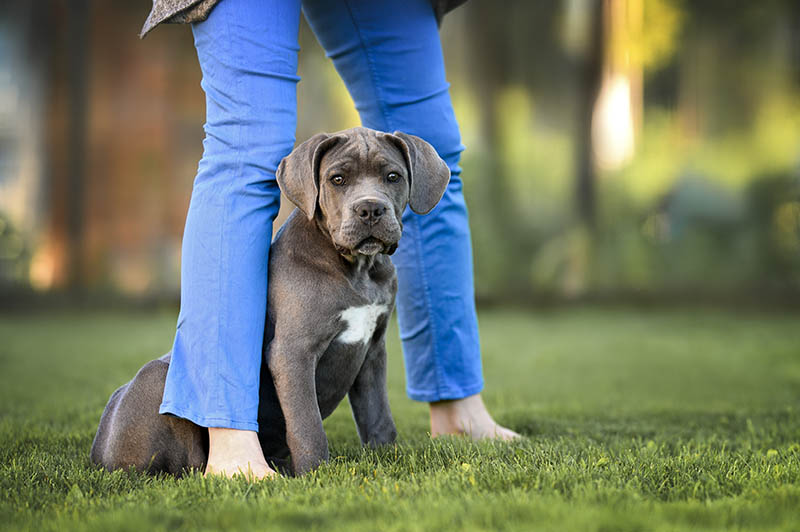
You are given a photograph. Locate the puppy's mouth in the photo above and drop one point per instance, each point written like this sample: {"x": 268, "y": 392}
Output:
{"x": 370, "y": 246}
{"x": 355, "y": 239}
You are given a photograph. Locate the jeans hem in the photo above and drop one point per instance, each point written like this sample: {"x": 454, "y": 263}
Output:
{"x": 207, "y": 421}
{"x": 444, "y": 394}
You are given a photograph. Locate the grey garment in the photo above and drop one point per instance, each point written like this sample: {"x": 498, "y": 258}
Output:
{"x": 188, "y": 11}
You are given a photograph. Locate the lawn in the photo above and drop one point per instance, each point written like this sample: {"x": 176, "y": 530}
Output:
{"x": 634, "y": 420}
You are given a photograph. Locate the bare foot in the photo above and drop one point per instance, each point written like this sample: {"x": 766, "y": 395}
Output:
{"x": 467, "y": 416}
{"x": 236, "y": 452}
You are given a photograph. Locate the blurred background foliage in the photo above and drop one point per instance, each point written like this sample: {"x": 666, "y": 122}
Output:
{"x": 615, "y": 148}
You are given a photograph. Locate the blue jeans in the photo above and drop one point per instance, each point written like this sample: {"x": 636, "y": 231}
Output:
{"x": 389, "y": 55}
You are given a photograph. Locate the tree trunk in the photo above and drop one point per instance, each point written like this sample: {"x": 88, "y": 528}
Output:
{"x": 77, "y": 83}
{"x": 589, "y": 83}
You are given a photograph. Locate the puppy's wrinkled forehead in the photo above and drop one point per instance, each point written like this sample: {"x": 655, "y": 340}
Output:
{"x": 363, "y": 153}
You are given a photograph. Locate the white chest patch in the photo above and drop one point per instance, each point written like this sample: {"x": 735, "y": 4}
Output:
{"x": 361, "y": 323}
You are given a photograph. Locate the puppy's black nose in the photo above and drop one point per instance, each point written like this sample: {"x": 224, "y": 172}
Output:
{"x": 369, "y": 211}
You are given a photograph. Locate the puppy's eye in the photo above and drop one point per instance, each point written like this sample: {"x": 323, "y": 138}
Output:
{"x": 337, "y": 180}
{"x": 393, "y": 177}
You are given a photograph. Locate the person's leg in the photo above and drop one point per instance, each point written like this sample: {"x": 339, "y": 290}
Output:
{"x": 389, "y": 55}
{"x": 248, "y": 55}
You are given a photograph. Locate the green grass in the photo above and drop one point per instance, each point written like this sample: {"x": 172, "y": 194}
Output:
{"x": 634, "y": 420}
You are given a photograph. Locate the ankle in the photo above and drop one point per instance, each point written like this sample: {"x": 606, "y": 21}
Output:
{"x": 234, "y": 446}
{"x": 457, "y": 416}
{"x": 226, "y": 436}
{"x": 444, "y": 419}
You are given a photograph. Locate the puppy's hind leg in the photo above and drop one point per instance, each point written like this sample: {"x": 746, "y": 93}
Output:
{"x": 133, "y": 434}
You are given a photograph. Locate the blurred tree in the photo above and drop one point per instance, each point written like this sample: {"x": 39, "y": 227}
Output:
{"x": 78, "y": 80}
{"x": 590, "y": 83}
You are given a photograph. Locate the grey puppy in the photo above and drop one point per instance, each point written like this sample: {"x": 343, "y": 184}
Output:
{"x": 331, "y": 291}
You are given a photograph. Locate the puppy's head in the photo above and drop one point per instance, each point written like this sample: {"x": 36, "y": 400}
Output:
{"x": 356, "y": 183}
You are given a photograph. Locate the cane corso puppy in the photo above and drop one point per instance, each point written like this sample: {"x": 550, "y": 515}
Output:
{"x": 331, "y": 291}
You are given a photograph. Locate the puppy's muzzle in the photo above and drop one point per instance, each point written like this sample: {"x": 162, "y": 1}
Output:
{"x": 370, "y": 211}
{"x": 371, "y": 227}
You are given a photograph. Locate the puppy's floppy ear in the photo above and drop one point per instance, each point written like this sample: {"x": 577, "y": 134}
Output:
{"x": 428, "y": 173}
{"x": 298, "y": 173}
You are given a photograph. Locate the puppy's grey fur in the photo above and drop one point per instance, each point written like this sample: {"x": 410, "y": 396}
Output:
{"x": 331, "y": 291}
